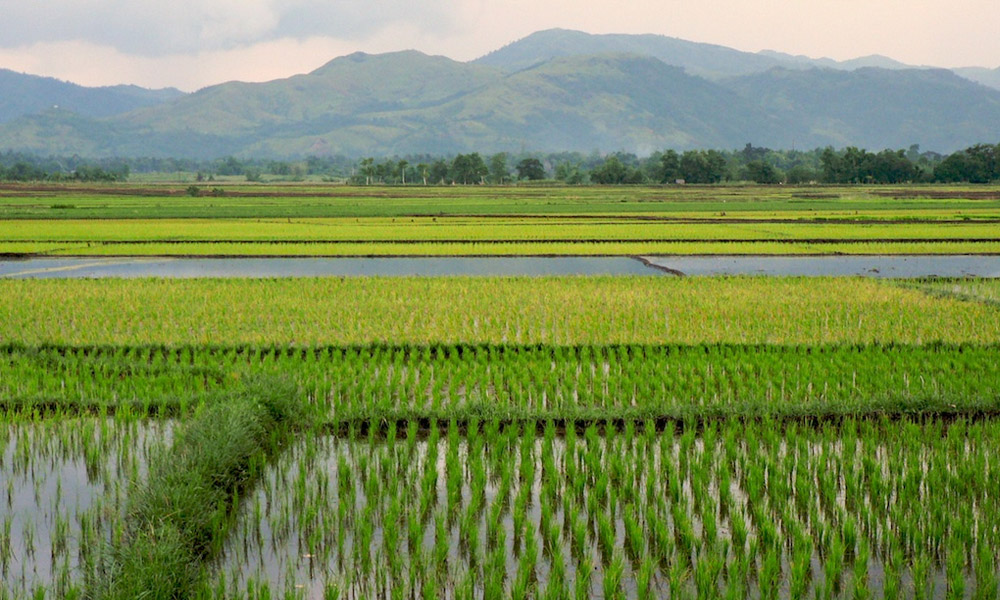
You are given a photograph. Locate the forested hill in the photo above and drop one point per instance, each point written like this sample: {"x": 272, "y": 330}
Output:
{"x": 22, "y": 95}
{"x": 550, "y": 92}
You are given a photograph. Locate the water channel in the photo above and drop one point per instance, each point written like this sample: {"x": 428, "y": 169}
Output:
{"x": 864, "y": 266}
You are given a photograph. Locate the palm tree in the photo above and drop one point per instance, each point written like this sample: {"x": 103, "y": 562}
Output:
{"x": 368, "y": 168}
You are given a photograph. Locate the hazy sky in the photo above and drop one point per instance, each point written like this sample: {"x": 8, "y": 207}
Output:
{"x": 193, "y": 43}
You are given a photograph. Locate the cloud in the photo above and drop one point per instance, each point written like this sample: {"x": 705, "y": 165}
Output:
{"x": 94, "y": 65}
{"x": 357, "y": 19}
{"x": 160, "y": 27}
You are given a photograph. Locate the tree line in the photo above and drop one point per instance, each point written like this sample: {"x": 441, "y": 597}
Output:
{"x": 976, "y": 164}
{"x": 25, "y": 167}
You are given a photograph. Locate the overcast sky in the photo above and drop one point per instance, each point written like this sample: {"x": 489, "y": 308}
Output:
{"x": 193, "y": 43}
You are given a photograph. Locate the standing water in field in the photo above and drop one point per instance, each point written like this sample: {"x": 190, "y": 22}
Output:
{"x": 902, "y": 267}
{"x": 65, "y": 488}
{"x": 864, "y": 266}
{"x": 759, "y": 510}
{"x": 76, "y": 268}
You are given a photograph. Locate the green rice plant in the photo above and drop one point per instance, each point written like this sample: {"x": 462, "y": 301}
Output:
{"x": 770, "y": 574}
{"x": 441, "y": 543}
{"x": 800, "y": 575}
{"x": 644, "y": 580}
{"x": 494, "y": 574}
{"x": 920, "y": 570}
{"x": 677, "y": 575}
{"x": 707, "y": 569}
{"x": 860, "y": 589}
{"x": 613, "y": 578}
{"x": 986, "y": 575}
{"x": 583, "y": 582}
{"x": 955, "y": 568}
{"x": 556, "y": 585}
{"x": 892, "y": 581}
{"x": 605, "y": 536}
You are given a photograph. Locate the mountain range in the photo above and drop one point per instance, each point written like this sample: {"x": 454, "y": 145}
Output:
{"x": 554, "y": 90}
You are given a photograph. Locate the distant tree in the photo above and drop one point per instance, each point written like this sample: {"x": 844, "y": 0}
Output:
{"x": 469, "y": 168}
{"x": 612, "y": 172}
{"x": 701, "y": 166}
{"x": 498, "y": 168}
{"x": 230, "y": 166}
{"x": 802, "y": 174}
{"x": 278, "y": 167}
{"x": 569, "y": 172}
{"x": 23, "y": 171}
{"x": 857, "y": 164}
{"x": 891, "y": 166}
{"x": 670, "y": 167}
{"x": 635, "y": 176}
{"x": 750, "y": 153}
{"x": 423, "y": 169}
{"x": 93, "y": 173}
{"x": 761, "y": 172}
{"x": 956, "y": 167}
{"x": 368, "y": 169}
{"x": 439, "y": 171}
{"x": 977, "y": 164}
{"x": 531, "y": 169}
{"x": 401, "y": 169}
{"x": 835, "y": 169}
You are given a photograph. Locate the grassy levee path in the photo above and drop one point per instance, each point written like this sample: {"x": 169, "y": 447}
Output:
{"x": 180, "y": 518}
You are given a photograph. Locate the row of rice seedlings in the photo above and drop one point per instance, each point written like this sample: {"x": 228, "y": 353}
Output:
{"x": 446, "y": 381}
{"x": 895, "y": 509}
{"x": 108, "y": 378}
{"x": 64, "y": 487}
{"x": 498, "y": 310}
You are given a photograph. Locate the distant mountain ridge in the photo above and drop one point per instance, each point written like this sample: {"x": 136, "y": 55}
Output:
{"x": 704, "y": 60}
{"x": 554, "y": 90}
{"x": 987, "y": 77}
{"x": 876, "y": 108}
{"x": 30, "y": 94}
{"x": 873, "y": 60}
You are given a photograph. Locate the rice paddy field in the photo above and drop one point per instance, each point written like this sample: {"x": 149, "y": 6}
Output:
{"x": 304, "y": 220}
{"x": 498, "y": 437}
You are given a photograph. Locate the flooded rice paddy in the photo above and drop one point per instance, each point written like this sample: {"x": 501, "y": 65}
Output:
{"x": 65, "y": 486}
{"x": 732, "y": 511}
